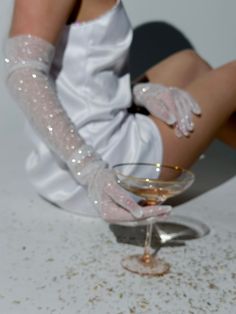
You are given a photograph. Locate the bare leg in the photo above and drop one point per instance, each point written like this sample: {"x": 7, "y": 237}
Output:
{"x": 215, "y": 91}
{"x": 228, "y": 132}
{"x": 179, "y": 69}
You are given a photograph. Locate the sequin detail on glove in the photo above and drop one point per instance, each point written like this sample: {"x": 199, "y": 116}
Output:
{"x": 28, "y": 61}
{"x": 172, "y": 105}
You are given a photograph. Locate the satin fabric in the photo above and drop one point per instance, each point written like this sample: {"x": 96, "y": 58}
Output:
{"x": 92, "y": 78}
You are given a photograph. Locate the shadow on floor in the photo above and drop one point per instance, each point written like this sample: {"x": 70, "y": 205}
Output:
{"x": 216, "y": 166}
{"x": 174, "y": 231}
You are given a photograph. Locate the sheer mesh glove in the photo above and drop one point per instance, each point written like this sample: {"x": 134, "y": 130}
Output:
{"x": 28, "y": 61}
{"x": 172, "y": 105}
{"x": 116, "y": 204}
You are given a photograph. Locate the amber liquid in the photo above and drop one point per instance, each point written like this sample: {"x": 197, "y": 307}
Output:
{"x": 153, "y": 195}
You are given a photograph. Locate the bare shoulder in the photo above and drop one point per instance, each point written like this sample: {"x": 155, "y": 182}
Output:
{"x": 42, "y": 18}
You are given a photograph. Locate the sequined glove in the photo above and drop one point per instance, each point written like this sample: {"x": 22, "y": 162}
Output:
{"x": 113, "y": 203}
{"x": 28, "y": 61}
{"x": 172, "y": 105}
{"x": 117, "y": 205}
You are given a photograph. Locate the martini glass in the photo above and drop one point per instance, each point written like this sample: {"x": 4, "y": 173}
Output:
{"x": 150, "y": 184}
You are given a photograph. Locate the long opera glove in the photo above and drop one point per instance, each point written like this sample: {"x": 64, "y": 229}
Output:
{"x": 28, "y": 59}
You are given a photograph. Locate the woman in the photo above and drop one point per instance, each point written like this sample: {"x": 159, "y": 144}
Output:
{"x": 82, "y": 123}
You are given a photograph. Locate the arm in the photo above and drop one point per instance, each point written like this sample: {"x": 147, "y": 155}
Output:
{"x": 41, "y": 18}
{"x": 29, "y": 53}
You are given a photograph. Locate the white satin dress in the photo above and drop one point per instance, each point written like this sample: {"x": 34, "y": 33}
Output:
{"x": 93, "y": 84}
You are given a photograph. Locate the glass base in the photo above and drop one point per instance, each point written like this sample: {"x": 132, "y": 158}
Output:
{"x": 145, "y": 265}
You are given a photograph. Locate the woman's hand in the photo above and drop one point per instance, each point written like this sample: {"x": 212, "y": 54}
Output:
{"x": 115, "y": 204}
{"x": 172, "y": 105}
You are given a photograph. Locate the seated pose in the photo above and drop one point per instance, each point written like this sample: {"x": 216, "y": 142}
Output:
{"x": 68, "y": 68}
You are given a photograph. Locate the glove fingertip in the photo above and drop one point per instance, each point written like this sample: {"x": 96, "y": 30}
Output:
{"x": 171, "y": 120}
{"x": 178, "y": 133}
{"x": 137, "y": 212}
{"x": 166, "y": 209}
{"x": 197, "y": 110}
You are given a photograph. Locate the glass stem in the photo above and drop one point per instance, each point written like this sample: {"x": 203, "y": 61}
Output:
{"x": 148, "y": 240}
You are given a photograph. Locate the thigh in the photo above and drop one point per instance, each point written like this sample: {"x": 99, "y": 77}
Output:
{"x": 179, "y": 69}
{"x": 215, "y": 92}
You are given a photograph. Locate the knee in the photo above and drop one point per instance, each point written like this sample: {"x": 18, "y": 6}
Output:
{"x": 227, "y": 73}
{"x": 231, "y": 66}
{"x": 194, "y": 61}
